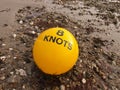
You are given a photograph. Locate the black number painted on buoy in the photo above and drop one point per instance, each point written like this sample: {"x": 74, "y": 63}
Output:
{"x": 60, "y": 33}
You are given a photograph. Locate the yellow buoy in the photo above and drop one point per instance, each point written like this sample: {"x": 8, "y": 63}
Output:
{"x": 55, "y": 51}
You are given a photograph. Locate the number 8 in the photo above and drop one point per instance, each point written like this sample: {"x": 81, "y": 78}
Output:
{"x": 60, "y": 33}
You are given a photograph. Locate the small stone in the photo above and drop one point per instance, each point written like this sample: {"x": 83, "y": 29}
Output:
{"x": 56, "y": 21}
{"x": 38, "y": 34}
{"x": 75, "y": 27}
{"x": 5, "y": 25}
{"x": 23, "y": 87}
{"x": 21, "y": 72}
{"x": 24, "y": 43}
{"x": 68, "y": 79}
{"x": 113, "y": 62}
{"x": 21, "y": 22}
{"x": 83, "y": 80}
{"x": 31, "y": 23}
{"x": 2, "y": 77}
{"x": 104, "y": 77}
{"x": 33, "y": 32}
{"x": 3, "y": 44}
{"x": 24, "y": 62}
{"x": 2, "y": 69}
{"x": 14, "y": 57}
{"x": 62, "y": 87}
{"x": 36, "y": 27}
{"x": 14, "y": 35}
{"x": 110, "y": 77}
{"x": 10, "y": 49}
{"x": 84, "y": 73}
{"x": 3, "y": 58}
{"x": 94, "y": 81}
{"x": 77, "y": 33}
{"x": 11, "y": 73}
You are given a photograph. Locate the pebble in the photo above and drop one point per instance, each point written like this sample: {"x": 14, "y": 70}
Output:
{"x": 83, "y": 80}
{"x": 10, "y": 49}
{"x": 14, "y": 58}
{"x": 56, "y": 21}
{"x": 11, "y": 73}
{"x": 33, "y": 32}
{"x": 77, "y": 33}
{"x": 104, "y": 77}
{"x": 3, "y": 44}
{"x": 5, "y": 25}
{"x": 2, "y": 77}
{"x": 84, "y": 73}
{"x": 14, "y": 35}
{"x": 23, "y": 86}
{"x": 62, "y": 87}
{"x": 81, "y": 60}
{"x": 38, "y": 34}
{"x": 75, "y": 27}
{"x": 31, "y": 23}
{"x": 68, "y": 79}
{"x": 36, "y": 27}
{"x": 110, "y": 77}
{"x": 2, "y": 69}
{"x": 21, "y": 22}
{"x": 94, "y": 81}
{"x": 3, "y": 58}
{"x": 21, "y": 72}
{"x": 113, "y": 62}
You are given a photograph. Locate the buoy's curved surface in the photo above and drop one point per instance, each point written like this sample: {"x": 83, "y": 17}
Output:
{"x": 55, "y": 51}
